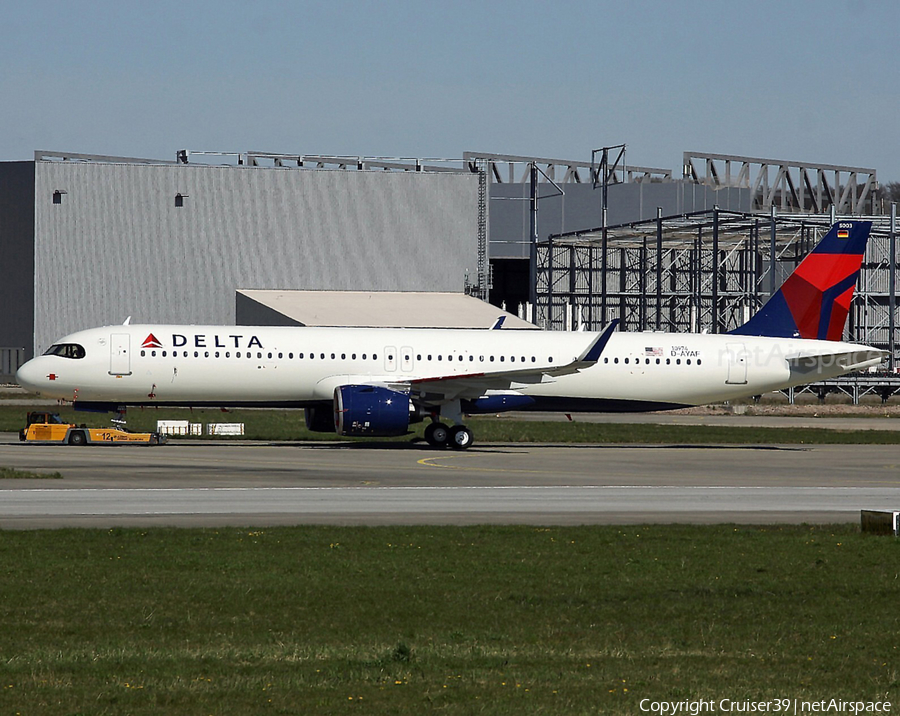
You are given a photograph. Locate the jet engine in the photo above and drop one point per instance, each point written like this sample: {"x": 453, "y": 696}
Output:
{"x": 370, "y": 411}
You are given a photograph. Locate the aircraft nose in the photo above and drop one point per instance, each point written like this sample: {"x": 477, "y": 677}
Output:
{"x": 31, "y": 376}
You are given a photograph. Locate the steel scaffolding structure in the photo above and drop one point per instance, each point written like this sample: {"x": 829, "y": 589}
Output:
{"x": 515, "y": 169}
{"x": 707, "y": 271}
{"x": 796, "y": 187}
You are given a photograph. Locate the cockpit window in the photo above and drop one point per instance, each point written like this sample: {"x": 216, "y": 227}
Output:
{"x": 65, "y": 350}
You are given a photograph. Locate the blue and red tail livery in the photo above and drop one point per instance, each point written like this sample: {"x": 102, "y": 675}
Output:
{"x": 815, "y": 299}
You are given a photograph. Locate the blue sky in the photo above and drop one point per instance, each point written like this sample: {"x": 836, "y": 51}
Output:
{"x": 803, "y": 81}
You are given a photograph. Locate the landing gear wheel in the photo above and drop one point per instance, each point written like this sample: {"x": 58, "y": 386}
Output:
{"x": 460, "y": 437}
{"x": 77, "y": 438}
{"x": 437, "y": 435}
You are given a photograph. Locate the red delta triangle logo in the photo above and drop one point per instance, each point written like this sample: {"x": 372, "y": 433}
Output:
{"x": 151, "y": 342}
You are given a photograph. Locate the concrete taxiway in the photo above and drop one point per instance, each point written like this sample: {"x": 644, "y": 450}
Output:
{"x": 244, "y": 483}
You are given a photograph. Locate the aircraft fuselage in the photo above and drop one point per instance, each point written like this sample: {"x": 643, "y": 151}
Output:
{"x": 232, "y": 366}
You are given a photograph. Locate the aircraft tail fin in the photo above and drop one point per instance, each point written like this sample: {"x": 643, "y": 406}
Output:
{"x": 815, "y": 299}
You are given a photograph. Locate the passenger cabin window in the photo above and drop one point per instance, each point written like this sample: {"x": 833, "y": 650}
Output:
{"x": 65, "y": 350}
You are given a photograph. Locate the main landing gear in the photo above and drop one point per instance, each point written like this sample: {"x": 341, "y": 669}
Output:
{"x": 458, "y": 437}
{"x": 438, "y": 435}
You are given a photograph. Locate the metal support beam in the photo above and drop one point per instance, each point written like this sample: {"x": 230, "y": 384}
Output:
{"x": 659, "y": 260}
{"x": 532, "y": 248}
{"x": 892, "y": 288}
{"x": 715, "y": 270}
{"x": 773, "y": 228}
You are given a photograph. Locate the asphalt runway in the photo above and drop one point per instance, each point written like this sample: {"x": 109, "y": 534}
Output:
{"x": 256, "y": 484}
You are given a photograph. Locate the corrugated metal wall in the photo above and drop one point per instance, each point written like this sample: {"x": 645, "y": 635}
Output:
{"x": 116, "y": 244}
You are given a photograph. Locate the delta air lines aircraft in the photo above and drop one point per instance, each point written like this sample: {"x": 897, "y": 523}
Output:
{"x": 376, "y": 382}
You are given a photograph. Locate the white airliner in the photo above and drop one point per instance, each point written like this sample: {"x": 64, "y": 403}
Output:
{"x": 376, "y": 382}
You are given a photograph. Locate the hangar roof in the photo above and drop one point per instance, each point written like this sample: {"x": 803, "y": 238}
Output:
{"x": 381, "y": 309}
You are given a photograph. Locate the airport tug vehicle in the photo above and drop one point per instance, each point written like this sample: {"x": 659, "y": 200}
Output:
{"x": 50, "y": 429}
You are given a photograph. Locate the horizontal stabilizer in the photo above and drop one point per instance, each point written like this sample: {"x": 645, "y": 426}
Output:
{"x": 837, "y": 363}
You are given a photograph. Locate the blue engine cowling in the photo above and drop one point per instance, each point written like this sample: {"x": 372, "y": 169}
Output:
{"x": 370, "y": 411}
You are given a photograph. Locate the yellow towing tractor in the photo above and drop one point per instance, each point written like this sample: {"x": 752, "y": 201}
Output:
{"x": 50, "y": 429}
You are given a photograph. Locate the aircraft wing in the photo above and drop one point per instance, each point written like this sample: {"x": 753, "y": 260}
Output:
{"x": 444, "y": 388}
{"x": 474, "y": 385}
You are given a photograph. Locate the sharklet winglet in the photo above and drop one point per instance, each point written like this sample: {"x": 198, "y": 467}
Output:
{"x": 593, "y": 353}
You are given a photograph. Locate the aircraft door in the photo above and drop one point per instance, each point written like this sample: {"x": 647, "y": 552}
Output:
{"x": 390, "y": 359}
{"x": 406, "y": 359}
{"x": 120, "y": 354}
{"x": 737, "y": 363}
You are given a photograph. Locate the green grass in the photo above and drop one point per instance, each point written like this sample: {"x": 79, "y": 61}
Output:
{"x": 402, "y": 620}
{"x": 289, "y": 425}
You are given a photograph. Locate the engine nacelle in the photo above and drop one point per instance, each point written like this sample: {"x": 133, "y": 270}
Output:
{"x": 370, "y": 411}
